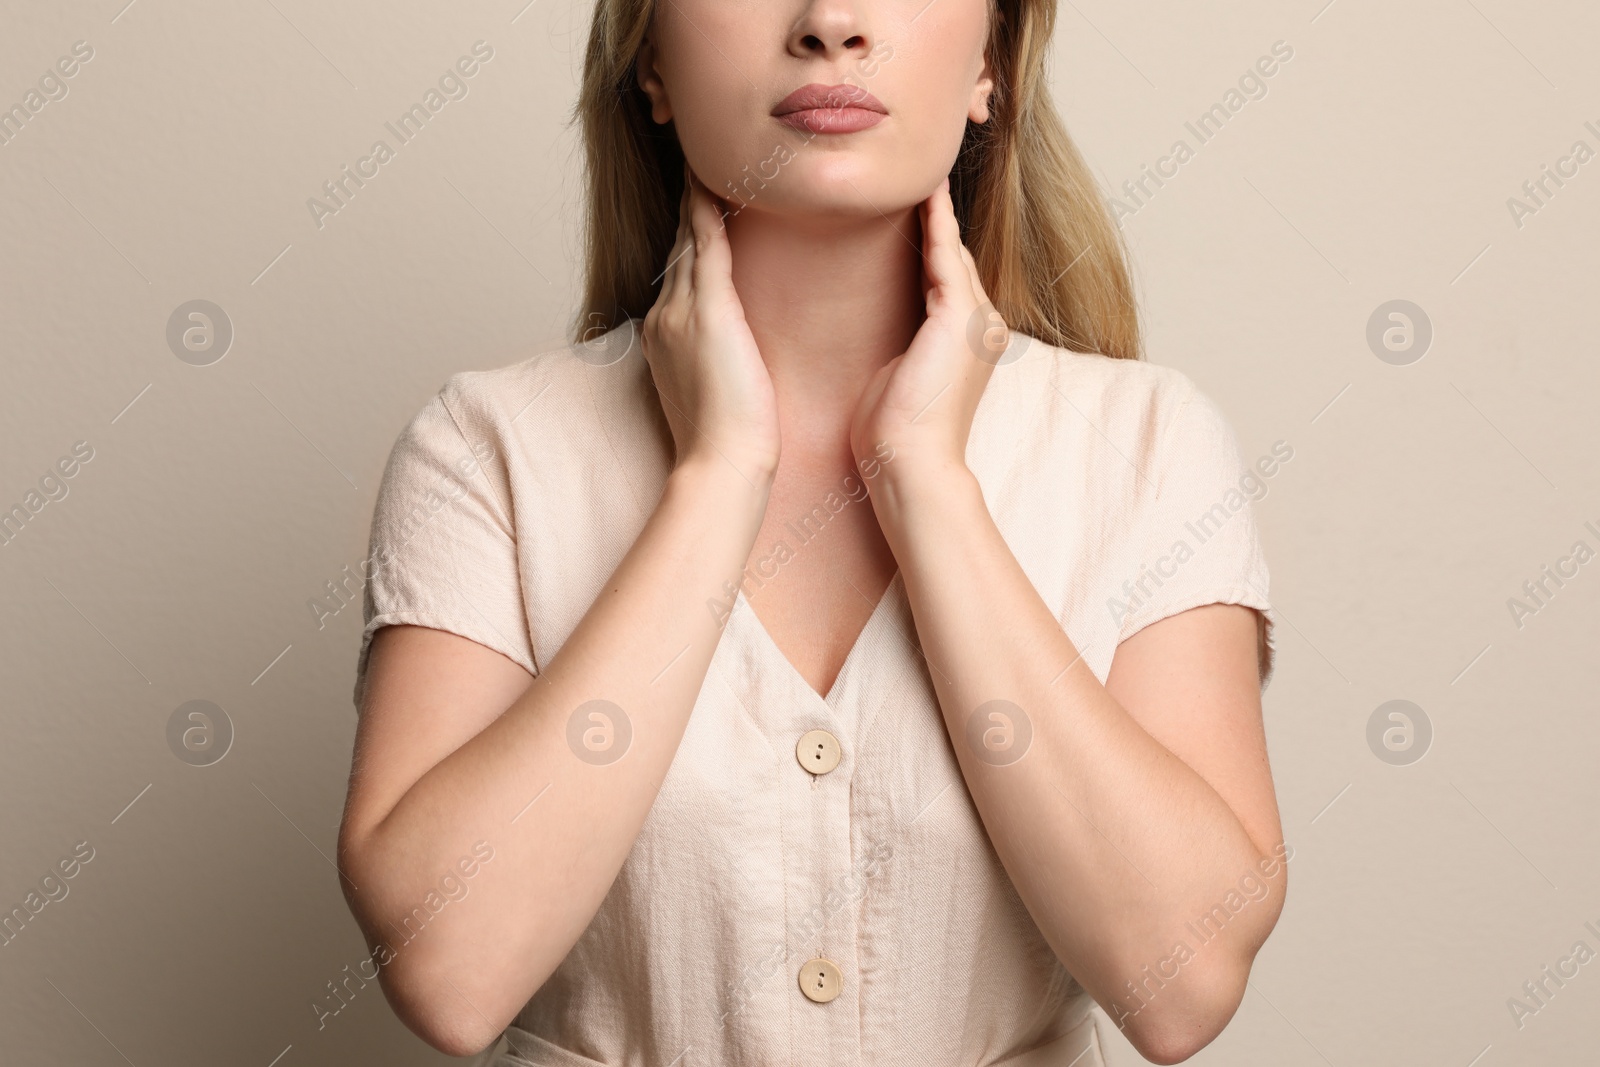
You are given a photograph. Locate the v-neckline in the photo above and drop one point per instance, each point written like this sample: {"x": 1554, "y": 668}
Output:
{"x": 770, "y": 648}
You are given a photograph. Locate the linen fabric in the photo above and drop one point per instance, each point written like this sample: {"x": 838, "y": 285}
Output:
{"x": 510, "y": 498}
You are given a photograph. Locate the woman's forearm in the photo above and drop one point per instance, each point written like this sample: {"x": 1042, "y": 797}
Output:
{"x": 562, "y": 811}
{"x": 1114, "y": 843}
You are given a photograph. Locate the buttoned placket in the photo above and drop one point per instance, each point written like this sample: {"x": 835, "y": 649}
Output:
{"x": 822, "y": 850}
{"x": 822, "y": 988}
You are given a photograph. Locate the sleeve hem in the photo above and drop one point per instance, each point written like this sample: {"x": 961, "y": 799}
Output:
{"x": 1244, "y": 596}
{"x": 1225, "y": 594}
{"x": 433, "y": 621}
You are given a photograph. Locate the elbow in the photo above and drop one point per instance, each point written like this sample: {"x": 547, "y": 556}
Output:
{"x": 424, "y": 983}
{"x": 458, "y": 1036}
{"x": 435, "y": 1009}
{"x": 1172, "y": 1026}
{"x": 1175, "y": 1041}
{"x": 1166, "y": 1048}
{"x": 1173, "y": 1032}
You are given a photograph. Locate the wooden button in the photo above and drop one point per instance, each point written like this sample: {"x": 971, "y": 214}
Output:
{"x": 820, "y": 980}
{"x": 818, "y": 751}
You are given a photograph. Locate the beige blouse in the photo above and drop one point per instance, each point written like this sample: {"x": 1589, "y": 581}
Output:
{"x": 778, "y": 908}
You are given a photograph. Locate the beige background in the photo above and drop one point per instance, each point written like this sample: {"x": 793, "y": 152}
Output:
{"x": 179, "y": 566}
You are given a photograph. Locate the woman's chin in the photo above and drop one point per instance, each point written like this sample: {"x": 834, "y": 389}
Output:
{"x": 826, "y": 191}
{"x": 848, "y": 209}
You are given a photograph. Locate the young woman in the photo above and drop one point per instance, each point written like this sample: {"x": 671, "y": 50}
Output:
{"x": 799, "y": 667}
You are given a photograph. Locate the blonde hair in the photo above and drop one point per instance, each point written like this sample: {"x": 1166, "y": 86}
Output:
{"x": 1048, "y": 252}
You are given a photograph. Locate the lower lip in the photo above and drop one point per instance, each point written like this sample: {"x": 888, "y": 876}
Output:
{"x": 832, "y": 119}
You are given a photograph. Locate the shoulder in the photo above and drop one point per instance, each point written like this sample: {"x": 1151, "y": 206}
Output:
{"x": 490, "y": 398}
{"x": 1125, "y": 393}
{"x": 454, "y": 437}
{"x": 564, "y": 391}
{"x": 1120, "y": 431}
{"x": 1129, "y": 405}
{"x": 572, "y": 428}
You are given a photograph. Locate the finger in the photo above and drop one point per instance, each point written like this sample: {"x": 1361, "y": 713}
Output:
{"x": 717, "y": 202}
{"x": 669, "y": 269}
{"x": 713, "y": 262}
{"x": 683, "y": 253}
{"x": 976, "y": 280}
{"x": 941, "y": 239}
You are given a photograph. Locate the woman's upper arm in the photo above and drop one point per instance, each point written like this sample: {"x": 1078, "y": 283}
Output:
{"x": 446, "y": 645}
{"x": 428, "y": 692}
{"x": 1192, "y": 681}
{"x": 1193, "y": 654}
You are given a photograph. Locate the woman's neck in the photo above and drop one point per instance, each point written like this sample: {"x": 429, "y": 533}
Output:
{"x": 829, "y": 301}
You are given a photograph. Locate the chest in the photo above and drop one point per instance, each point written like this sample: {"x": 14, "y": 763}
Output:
{"x": 818, "y": 568}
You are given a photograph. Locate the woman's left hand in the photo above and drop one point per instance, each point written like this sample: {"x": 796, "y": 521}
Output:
{"x": 921, "y": 403}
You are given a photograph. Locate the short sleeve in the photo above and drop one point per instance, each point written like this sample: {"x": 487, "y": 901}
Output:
{"x": 442, "y": 552}
{"x": 1196, "y": 541}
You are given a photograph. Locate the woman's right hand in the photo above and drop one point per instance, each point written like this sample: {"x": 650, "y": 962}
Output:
{"x": 713, "y": 383}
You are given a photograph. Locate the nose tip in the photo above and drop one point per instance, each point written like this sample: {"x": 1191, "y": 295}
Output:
{"x": 827, "y": 29}
{"x": 811, "y": 42}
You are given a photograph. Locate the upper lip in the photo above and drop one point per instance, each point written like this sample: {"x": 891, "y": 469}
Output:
{"x": 814, "y": 95}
